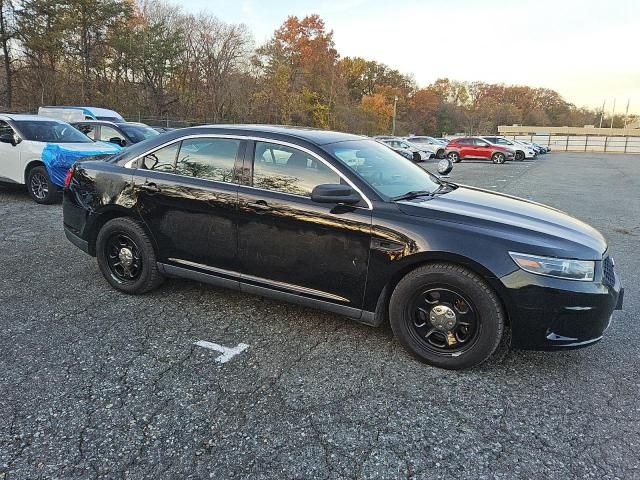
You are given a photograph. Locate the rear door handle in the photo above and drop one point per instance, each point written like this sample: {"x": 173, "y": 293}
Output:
{"x": 150, "y": 187}
{"x": 259, "y": 205}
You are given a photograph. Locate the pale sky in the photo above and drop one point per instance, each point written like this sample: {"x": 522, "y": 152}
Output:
{"x": 587, "y": 50}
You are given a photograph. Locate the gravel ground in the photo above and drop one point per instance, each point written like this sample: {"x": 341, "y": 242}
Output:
{"x": 97, "y": 384}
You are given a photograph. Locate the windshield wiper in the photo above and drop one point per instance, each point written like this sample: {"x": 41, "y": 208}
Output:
{"x": 444, "y": 187}
{"x": 413, "y": 194}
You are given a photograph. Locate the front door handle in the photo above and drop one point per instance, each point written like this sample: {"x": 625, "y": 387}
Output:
{"x": 150, "y": 187}
{"x": 259, "y": 205}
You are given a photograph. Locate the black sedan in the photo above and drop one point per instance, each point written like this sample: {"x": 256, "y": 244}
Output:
{"x": 342, "y": 223}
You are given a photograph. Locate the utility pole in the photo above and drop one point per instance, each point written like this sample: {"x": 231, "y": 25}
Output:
{"x": 602, "y": 112}
{"x": 626, "y": 113}
{"x": 395, "y": 104}
{"x": 613, "y": 112}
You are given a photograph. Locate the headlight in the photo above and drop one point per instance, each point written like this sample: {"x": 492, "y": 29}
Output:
{"x": 555, "y": 267}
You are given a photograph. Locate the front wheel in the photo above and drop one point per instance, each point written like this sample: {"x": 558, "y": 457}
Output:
{"x": 447, "y": 316}
{"x": 498, "y": 157}
{"x": 440, "y": 154}
{"x": 454, "y": 157}
{"x": 40, "y": 187}
{"x": 126, "y": 256}
{"x": 519, "y": 156}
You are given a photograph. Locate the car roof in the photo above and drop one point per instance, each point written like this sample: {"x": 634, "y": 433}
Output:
{"x": 313, "y": 138}
{"x": 23, "y": 116}
{"x": 93, "y": 110}
{"x": 311, "y": 135}
{"x": 109, "y": 122}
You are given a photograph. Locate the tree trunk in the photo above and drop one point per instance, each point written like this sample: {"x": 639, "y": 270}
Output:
{"x": 6, "y": 56}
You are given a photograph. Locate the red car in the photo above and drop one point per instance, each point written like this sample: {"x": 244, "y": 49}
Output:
{"x": 459, "y": 149}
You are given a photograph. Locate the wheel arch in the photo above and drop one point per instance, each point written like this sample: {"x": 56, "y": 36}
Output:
{"x": 30, "y": 165}
{"x": 111, "y": 212}
{"x": 425, "y": 258}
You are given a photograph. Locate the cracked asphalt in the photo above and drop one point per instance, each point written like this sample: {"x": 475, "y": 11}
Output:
{"x": 97, "y": 384}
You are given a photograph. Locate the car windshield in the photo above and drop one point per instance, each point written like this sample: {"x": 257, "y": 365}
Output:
{"x": 138, "y": 133}
{"x": 388, "y": 173}
{"x": 50, "y": 131}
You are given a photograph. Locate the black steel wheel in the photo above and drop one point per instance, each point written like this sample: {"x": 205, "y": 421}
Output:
{"x": 40, "y": 187}
{"x": 123, "y": 257}
{"x": 126, "y": 256}
{"x": 444, "y": 319}
{"x": 446, "y": 315}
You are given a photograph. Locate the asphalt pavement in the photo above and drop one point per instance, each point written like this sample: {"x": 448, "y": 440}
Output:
{"x": 98, "y": 384}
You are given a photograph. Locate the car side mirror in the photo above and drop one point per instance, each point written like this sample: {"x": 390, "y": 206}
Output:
{"x": 334, "y": 193}
{"x": 118, "y": 141}
{"x": 444, "y": 167}
{"x": 8, "y": 138}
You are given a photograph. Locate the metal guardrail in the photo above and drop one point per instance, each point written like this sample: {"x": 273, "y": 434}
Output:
{"x": 584, "y": 143}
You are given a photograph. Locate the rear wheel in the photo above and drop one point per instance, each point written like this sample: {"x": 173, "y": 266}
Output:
{"x": 498, "y": 157}
{"x": 454, "y": 157}
{"x": 40, "y": 187}
{"x": 126, "y": 257}
{"x": 447, "y": 316}
{"x": 519, "y": 156}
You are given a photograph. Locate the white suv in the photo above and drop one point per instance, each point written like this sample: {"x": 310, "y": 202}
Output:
{"x": 38, "y": 151}
{"x": 437, "y": 146}
{"x": 520, "y": 150}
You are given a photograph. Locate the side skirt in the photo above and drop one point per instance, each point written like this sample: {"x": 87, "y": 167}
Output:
{"x": 362, "y": 316}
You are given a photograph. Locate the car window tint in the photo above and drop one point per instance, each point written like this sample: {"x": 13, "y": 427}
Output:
{"x": 162, "y": 160}
{"x": 208, "y": 158}
{"x": 288, "y": 170}
{"x": 107, "y": 133}
{"x": 88, "y": 129}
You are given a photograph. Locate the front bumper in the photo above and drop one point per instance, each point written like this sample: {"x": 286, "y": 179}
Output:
{"x": 553, "y": 314}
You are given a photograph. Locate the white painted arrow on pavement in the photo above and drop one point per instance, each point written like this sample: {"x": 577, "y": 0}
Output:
{"x": 227, "y": 353}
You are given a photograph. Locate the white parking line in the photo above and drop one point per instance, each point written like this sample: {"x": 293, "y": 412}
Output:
{"x": 227, "y": 353}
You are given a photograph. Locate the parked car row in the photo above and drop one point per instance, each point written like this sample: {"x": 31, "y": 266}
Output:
{"x": 38, "y": 150}
{"x": 495, "y": 148}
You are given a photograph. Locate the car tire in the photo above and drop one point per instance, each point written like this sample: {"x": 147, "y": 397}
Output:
{"x": 126, "y": 257}
{"x": 460, "y": 290}
{"x": 498, "y": 157}
{"x": 454, "y": 157}
{"x": 40, "y": 187}
{"x": 440, "y": 154}
{"x": 519, "y": 156}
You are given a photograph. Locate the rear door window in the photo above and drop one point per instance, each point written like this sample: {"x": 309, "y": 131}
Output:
{"x": 88, "y": 129}
{"x": 108, "y": 133}
{"x": 162, "y": 160}
{"x": 208, "y": 158}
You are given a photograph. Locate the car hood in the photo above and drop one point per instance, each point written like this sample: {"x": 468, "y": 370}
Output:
{"x": 531, "y": 227}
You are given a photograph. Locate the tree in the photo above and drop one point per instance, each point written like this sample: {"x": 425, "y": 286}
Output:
{"x": 87, "y": 25}
{"x": 306, "y": 52}
{"x": 41, "y": 31}
{"x": 7, "y": 33}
